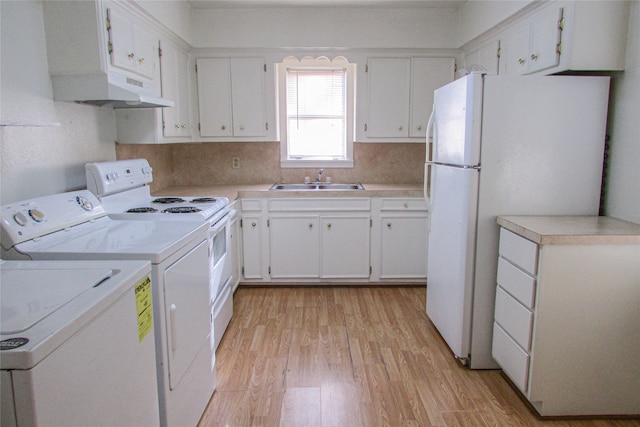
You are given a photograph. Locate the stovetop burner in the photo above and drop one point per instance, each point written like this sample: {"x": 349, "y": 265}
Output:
{"x": 203, "y": 200}
{"x": 182, "y": 209}
{"x": 142, "y": 210}
{"x": 168, "y": 200}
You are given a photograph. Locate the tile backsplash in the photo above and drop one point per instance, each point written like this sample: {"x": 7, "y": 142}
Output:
{"x": 194, "y": 164}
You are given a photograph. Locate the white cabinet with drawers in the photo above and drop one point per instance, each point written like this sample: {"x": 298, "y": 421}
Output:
{"x": 567, "y": 313}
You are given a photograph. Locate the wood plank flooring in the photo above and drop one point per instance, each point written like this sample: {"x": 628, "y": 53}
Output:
{"x": 353, "y": 356}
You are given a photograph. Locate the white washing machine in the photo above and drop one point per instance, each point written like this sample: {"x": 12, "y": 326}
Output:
{"x": 77, "y": 344}
{"x": 74, "y": 226}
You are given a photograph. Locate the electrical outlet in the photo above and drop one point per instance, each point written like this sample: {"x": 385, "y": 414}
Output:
{"x": 235, "y": 162}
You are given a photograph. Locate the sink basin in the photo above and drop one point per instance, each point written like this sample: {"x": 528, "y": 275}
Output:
{"x": 316, "y": 186}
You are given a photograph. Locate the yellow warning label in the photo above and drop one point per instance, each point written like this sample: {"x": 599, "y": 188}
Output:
{"x": 144, "y": 307}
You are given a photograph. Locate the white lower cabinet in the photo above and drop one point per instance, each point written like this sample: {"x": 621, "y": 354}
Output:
{"x": 334, "y": 240}
{"x": 566, "y": 316}
{"x": 319, "y": 238}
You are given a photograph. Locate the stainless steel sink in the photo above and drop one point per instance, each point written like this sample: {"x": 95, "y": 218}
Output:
{"x": 316, "y": 186}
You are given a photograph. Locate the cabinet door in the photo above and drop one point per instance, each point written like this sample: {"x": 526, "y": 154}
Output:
{"x": 486, "y": 56}
{"x": 252, "y": 246}
{"x": 345, "y": 246}
{"x": 214, "y": 97}
{"x": 404, "y": 246}
{"x": 147, "y": 55}
{"x": 175, "y": 63}
{"x": 427, "y": 75}
{"x": 248, "y": 96}
{"x": 516, "y": 52}
{"x": 545, "y": 37}
{"x": 121, "y": 48}
{"x": 389, "y": 82}
{"x": 294, "y": 246}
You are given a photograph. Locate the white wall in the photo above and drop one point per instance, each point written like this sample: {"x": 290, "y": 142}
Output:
{"x": 478, "y": 16}
{"x": 174, "y": 14}
{"x": 325, "y": 27}
{"x": 623, "y": 185}
{"x": 41, "y": 160}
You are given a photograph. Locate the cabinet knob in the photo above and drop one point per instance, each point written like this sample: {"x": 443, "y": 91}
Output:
{"x": 310, "y": 226}
{"x": 521, "y": 61}
{"x": 223, "y": 127}
{"x": 183, "y": 126}
{"x": 400, "y": 128}
{"x": 388, "y": 225}
{"x": 329, "y": 225}
{"x": 534, "y": 57}
{"x": 131, "y": 55}
{"x": 406, "y": 205}
{"x": 253, "y": 224}
{"x": 241, "y": 127}
{"x": 141, "y": 61}
{"x": 177, "y": 125}
{"x": 419, "y": 127}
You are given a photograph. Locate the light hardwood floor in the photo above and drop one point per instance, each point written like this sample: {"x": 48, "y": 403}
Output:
{"x": 353, "y": 356}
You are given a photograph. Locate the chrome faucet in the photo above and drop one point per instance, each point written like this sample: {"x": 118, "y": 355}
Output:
{"x": 319, "y": 178}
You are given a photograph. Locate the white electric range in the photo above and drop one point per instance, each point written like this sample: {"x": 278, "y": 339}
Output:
{"x": 123, "y": 189}
{"x": 75, "y": 226}
{"x": 77, "y": 344}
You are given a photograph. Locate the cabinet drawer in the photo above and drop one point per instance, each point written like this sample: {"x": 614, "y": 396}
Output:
{"x": 514, "y": 318}
{"x": 513, "y": 360}
{"x": 402, "y": 204}
{"x": 518, "y": 250}
{"x": 320, "y": 204}
{"x": 516, "y": 282}
{"x": 251, "y": 205}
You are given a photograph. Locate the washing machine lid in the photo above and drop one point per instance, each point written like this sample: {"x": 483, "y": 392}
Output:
{"x": 28, "y": 296}
{"x": 44, "y": 303}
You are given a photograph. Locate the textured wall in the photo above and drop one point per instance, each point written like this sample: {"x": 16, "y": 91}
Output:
{"x": 210, "y": 163}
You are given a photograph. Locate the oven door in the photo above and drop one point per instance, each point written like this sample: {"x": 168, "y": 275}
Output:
{"x": 220, "y": 241}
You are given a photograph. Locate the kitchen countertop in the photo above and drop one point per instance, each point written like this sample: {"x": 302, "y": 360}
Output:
{"x": 233, "y": 192}
{"x": 559, "y": 230}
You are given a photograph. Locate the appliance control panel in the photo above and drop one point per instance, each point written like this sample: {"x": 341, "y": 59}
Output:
{"x": 107, "y": 178}
{"x": 30, "y": 219}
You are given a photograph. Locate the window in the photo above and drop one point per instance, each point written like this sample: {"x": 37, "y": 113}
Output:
{"x": 316, "y": 110}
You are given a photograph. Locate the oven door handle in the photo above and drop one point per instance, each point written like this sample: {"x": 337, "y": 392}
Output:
{"x": 174, "y": 330}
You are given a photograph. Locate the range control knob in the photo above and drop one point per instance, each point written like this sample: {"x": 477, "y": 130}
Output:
{"x": 36, "y": 215}
{"x": 20, "y": 219}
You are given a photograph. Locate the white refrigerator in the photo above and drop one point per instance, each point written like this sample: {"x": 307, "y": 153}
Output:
{"x": 502, "y": 145}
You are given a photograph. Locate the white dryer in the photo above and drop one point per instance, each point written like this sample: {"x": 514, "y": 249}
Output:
{"x": 77, "y": 344}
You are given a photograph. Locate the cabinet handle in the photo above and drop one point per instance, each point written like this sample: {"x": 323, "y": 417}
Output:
{"x": 521, "y": 61}
{"x": 534, "y": 57}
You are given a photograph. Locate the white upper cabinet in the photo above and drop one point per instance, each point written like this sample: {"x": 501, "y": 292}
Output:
{"x": 176, "y": 121}
{"x": 162, "y": 125}
{"x": 486, "y": 55}
{"x": 231, "y": 98}
{"x": 535, "y": 45}
{"x": 399, "y": 97}
{"x": 567, "y": 35}
{"x": 389, "y": 87}
{"x": 132, "y": 46}
{"x": 427, "y": 75}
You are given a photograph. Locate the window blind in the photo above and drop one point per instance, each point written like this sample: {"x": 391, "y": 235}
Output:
{"x": 316, "y": 113}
